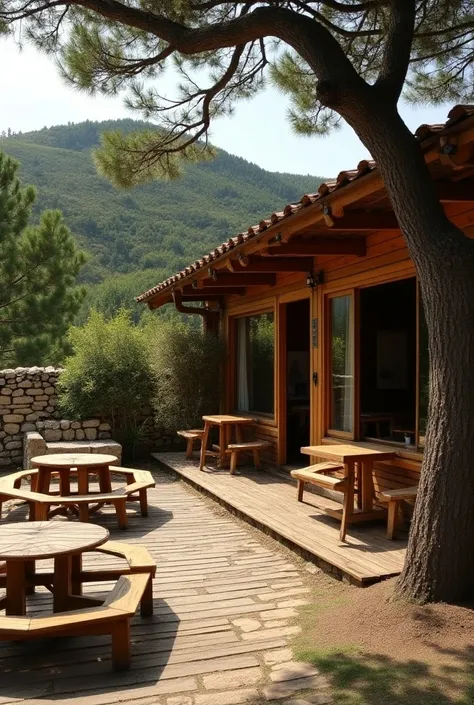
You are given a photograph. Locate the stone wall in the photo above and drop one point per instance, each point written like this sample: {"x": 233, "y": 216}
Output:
{"x": 28, "y": 402}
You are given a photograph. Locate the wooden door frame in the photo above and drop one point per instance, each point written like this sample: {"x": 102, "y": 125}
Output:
{"x": 282, "y": 358}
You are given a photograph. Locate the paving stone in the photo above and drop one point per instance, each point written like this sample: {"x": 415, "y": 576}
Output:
{"x": 277, "y": 656}
{"x": 286, "y": 613}
{"x": 276, "y": 623}
{"x": 247, "y": 625}
{"x": 277, "y": 691}
{"x": 232, "y": 679}
{"x": 180, "y": 700}
{"x": 321, "y": 699}
{"x": 292, "y": 670}
{"x": 271, "y": 633}
{"x": 292, "y": 603}
{"x": 231, "y": 697}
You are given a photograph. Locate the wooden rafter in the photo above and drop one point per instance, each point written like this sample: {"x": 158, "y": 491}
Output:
{"x": 356, "y": 221}
{"x": 204, "y": 293}
{"x": 455, "y": 192}
{"x": 320, "y": 246}
{"x": 280, "y": 264}
{"x": 240, "y": 279}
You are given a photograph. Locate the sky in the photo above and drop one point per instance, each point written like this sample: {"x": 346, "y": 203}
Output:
{"x": 34, "y": 96}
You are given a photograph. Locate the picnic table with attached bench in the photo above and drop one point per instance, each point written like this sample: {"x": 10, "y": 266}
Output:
{"x": 348, "y": 459}
{"x": 74, "y": 614}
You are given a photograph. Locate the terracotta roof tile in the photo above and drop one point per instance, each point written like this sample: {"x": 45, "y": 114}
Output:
{"x": 424, "y": 132}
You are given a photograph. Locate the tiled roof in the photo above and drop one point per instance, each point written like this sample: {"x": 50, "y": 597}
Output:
{"x": 344, "y": 178}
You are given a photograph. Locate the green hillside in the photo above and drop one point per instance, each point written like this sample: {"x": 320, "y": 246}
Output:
{"x": 151, "y": 231}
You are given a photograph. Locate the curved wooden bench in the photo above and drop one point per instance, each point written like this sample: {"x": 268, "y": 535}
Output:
{"x": 254, "y": 446}
{"x": 195, "y": 434}
{"x": 40, "y": 504}
{"x": 320, "y": 475}
{"x": 113, "y": 617}
{"x": 394, "y": 499}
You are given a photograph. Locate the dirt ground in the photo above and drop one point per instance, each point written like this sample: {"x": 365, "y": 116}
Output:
{"x": 376, "y": 647}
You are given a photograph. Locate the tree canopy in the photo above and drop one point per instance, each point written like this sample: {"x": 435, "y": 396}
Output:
{"x": 38, "y": 269}
{"x": 222, "y": 50}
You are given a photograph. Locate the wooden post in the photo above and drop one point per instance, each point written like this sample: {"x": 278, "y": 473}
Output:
{"x": 146, "y": 605}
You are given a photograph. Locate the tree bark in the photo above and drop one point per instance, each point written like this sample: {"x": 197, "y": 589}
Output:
{"x": 439, "y": 565}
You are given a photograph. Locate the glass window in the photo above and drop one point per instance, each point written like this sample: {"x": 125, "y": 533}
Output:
{"x": 342, "y": 364}
{"x": 423, "y": 379}
{"x": 255, "y": 362}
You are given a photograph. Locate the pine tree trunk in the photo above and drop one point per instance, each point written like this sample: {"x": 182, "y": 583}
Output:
{"x": 439, "y": 564}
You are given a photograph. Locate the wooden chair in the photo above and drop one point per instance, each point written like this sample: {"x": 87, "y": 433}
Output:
{"x": 234, "y": 449}
{"x": 113, "y": 617}
{"x": 394, "y": 499}
{"x": 191, "y": 436}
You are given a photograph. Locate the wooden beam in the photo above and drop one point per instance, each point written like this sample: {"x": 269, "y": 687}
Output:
{"x": 259, "y": 264}
{"x": 354, "y": 221}
{"x": 206, "y": 297}
{"x": 204, "y": 293}
{"x": 455, "y": 192}
{"x": 320, "y": 246}
{"x": 241, "y": 279}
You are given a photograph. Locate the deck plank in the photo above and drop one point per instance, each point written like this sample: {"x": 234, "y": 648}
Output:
{"x": 212, "y": 573}
{"x": 270, "y": 501}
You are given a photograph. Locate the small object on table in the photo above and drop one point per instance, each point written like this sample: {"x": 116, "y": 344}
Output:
{"x": 350, "y": 456}
{"x": 225, "y": 423}
{"x": 85, "y": 464}
{"x": 21, "y": 544}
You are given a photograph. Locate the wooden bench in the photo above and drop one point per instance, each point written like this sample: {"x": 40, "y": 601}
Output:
{"x": 40, "y": 504}
{"x": 320, "y": 475}
{"x": 112, "y": 617}
{"x": 138, "y": 560}
{"x": 394, "y": 499}
{"x": 236, "y": 448}
{"x": 191, "y": 436}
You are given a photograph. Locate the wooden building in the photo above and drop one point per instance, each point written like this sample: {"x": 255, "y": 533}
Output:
{"x": 322, "y": 312}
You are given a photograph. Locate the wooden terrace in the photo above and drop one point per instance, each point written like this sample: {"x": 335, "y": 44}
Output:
{"x": 268, "y": 500}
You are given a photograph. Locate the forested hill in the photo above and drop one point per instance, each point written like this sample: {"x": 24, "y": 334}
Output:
{"x": 152, "y": 230}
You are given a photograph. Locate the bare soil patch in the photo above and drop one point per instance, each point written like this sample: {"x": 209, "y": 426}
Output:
{"x": 378, "y": 649}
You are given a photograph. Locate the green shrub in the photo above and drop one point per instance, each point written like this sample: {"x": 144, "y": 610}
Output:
{"x": 108, "y": 374}
{"x": 187, "y": 366}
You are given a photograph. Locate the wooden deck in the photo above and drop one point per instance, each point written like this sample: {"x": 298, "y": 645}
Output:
{"x": 224, "y": 608}
{"x": 269, "y": 501}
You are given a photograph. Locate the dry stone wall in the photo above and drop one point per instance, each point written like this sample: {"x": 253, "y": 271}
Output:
{"x": 28, "y": 402}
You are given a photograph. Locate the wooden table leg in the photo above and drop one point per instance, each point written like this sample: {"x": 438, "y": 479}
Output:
{"x": 204, "y": 442}
{"x": 76, "y": 570}
{"x": 367, "y": 486}
{"x": 65, "y": 482}
{"x": 30, "y": 567}
{"x": 16, "y": 589}
{"x": 105, "y": 483}
{"x": 359, "y": 474}
{"x": 222, "y": 445}
{"x": 83, "y": 480}
{"x": 43, "y": 480}
{"x": 348, "y": 507}
{"x": 62, "y": 583}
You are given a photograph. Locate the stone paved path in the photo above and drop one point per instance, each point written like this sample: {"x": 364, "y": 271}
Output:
{"x": 225, "y": 611}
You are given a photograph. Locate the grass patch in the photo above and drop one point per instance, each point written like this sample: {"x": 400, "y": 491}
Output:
{"x": 359, "y": 678}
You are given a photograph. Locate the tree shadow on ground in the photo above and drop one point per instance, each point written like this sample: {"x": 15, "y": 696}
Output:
{"x": 376, "y": 679}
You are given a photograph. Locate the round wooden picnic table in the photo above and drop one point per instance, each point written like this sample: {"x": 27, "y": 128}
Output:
{"x": 85, "y": 464}
{"x": 21, "y": 544}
